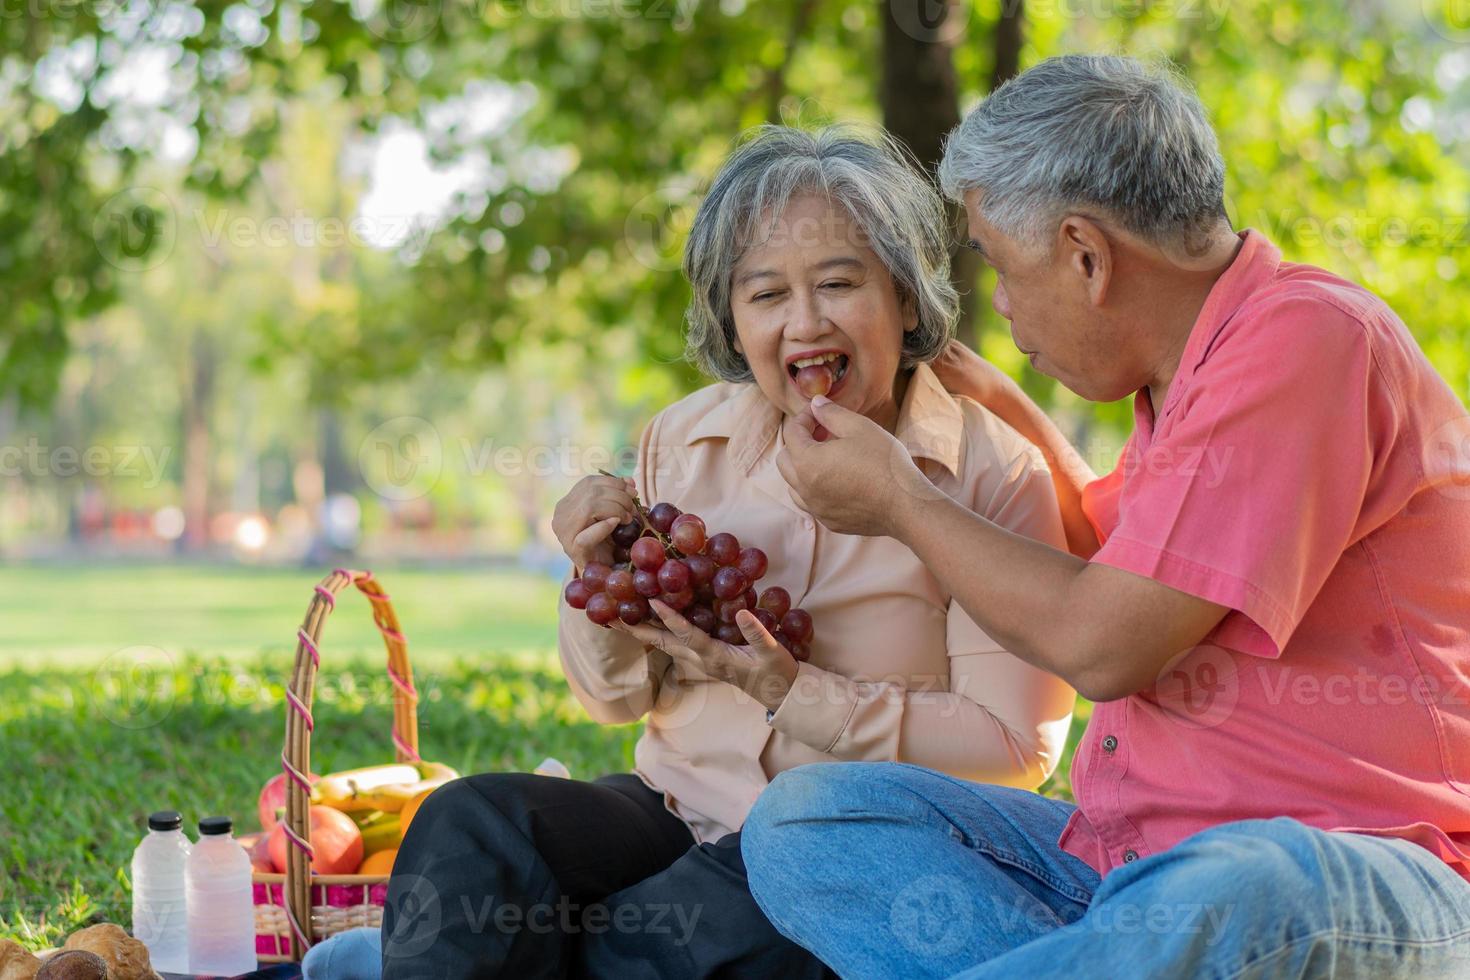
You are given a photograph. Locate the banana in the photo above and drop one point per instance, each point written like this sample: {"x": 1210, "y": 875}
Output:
{"x": 380, "y": 831}
{"x": 386, "y": 787}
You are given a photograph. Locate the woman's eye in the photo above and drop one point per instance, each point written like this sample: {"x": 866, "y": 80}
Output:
{"x": 836, "y": 284}
{"x": 760, "y": 297}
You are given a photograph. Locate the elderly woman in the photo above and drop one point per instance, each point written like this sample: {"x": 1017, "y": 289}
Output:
{"x": 824, "y": 246}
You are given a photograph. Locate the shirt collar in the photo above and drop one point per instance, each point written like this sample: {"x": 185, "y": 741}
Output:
{"x": 930, "y": 423}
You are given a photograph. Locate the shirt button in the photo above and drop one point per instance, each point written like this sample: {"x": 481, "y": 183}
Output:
{"x": 1110, "y": 744}
{"x": 1129, "y": 856}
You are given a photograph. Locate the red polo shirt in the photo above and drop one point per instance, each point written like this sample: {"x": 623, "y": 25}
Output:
{"x": 1310, "y": 471}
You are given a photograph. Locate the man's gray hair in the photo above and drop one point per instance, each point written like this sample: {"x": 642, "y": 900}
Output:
{"x": 897, "y": 213}
{"x": 1089, "y": 131}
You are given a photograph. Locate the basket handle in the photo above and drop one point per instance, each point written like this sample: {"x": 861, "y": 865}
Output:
{"x": 296, "y": 756}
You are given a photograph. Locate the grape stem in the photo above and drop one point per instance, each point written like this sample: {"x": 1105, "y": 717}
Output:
{"x": 663, "y": 539}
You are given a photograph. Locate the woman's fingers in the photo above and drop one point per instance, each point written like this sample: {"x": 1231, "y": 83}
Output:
{"x": 590, "y": 537}
{"x": 755, "y": 633}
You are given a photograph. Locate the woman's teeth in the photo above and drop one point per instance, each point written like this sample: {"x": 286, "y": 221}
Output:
{"x": 833, "y": 361}
{"x": 802, "y": 362}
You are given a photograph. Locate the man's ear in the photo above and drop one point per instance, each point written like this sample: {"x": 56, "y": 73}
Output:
{"x": 1087, "y": 253}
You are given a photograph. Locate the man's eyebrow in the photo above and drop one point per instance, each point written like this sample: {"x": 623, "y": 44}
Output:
{"x": 974, "y": 245}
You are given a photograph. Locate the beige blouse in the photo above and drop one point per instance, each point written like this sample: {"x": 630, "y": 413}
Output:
{"x": 897, "y": 672}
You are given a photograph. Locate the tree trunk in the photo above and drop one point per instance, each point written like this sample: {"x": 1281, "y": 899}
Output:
{"x": 919, "y": 95}
{"x": 198, "y": 400}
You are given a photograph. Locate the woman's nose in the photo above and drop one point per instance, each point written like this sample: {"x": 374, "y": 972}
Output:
{"x": 806, "y": 320}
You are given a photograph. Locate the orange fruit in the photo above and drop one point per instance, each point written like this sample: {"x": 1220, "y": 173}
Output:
{"x": 380, "y": 863}
{"x": 405, "y": 816}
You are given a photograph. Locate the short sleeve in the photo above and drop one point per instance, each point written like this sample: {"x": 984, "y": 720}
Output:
{"x": 1254, "y": 482}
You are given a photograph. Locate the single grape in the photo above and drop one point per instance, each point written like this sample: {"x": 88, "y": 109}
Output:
{"x": 688, "y": 534}
{"x": 749, "y": 598}
{"x": 753, "y": 562}
{"x": 662, "y": 516}
{"x": 647, "y": 554}
{"x": 674, "y": 576}
{"x": 625, "y": 534}
{"x": 797, "y": 624}
{"x": 767, "y": 620}
{"x": 702, "y": 569}
{"x": 577, "y": 594}
{"x": 782, "y": 639}
{"x": 620, "y": 585}
{"x": 724, "y": 548}
{"x": 730, "y": 633}
{"x": 815, "y": 379}
{"x": 633, "y": 611}
{"x": 680, "y": 600}
{"x": 729, "y": 583}
{"x": 706, "y": 595}
{"x": 801, "y": 652}
{"x": 602, "y": 608}
{"x": 620, "y": 555}
{"x": 594, "y": 576}
{"x": 646, "y": 583}
{"x": 776, "y": 600}
{"x": 726, "y": 609}
{"x": 703, "y": 617}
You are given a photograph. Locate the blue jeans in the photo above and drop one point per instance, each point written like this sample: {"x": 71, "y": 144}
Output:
{"x": 889, "y": 870}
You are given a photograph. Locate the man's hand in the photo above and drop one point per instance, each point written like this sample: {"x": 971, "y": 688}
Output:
{"x": 855, "y": 481}
{"x": 763, "y": 669}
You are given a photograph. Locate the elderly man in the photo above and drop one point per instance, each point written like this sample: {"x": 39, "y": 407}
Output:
{"x": 1269, "y": 599}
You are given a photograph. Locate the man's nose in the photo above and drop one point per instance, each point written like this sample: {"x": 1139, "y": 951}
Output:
{"x": 1001, "y": 301}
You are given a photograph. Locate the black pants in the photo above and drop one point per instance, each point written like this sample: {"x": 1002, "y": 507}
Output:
{"x": 516, "y": 875}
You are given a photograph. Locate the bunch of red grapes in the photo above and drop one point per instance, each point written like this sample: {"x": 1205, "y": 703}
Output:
{"x": 668, "y": 555}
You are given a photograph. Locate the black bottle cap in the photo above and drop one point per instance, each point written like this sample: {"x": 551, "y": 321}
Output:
{"x": 216, "y": 825}
{"x": 165, "y": 820}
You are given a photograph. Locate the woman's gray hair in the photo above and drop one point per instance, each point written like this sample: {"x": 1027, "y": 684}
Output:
{"x": 898, "y": 214}
{"x": 1090, "y": 131}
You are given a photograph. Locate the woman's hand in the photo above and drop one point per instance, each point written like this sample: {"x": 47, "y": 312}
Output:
{"x": 586, "y": 516}
{"x": 964, "y": 372}
{"x": 763, "y": 669}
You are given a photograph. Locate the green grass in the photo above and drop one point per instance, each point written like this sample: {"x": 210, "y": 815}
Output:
{"x": 127, "y": 690}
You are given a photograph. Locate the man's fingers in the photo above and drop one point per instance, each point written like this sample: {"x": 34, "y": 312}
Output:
{"x": 799, "y": 430}
{"x": 836, "y": 419}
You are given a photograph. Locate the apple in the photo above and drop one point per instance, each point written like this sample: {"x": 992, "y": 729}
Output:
{"x": 273, "y": 800}
{"x": 334, "y": 837}
{"x": 258, "y": 847}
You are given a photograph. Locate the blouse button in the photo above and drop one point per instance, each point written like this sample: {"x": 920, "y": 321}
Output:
{"x": 1110, "y": 744}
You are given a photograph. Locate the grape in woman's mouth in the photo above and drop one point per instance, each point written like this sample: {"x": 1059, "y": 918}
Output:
{"x": 818, "y": 375}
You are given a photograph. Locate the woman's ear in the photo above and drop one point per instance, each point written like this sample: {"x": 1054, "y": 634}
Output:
{"x": 910, "y": 308}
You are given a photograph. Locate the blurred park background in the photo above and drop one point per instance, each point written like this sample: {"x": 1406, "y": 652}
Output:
{"x": 287, "y": 284}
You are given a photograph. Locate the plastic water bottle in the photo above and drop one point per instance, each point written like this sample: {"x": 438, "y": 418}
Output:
{"x": 221, "y": 906}
{"x": 160, "y": 917}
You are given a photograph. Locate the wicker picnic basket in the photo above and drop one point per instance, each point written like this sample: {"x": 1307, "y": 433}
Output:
{"x": 295, "y": 910}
